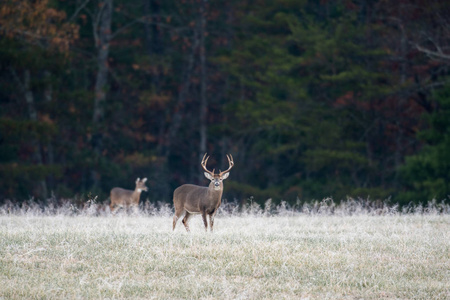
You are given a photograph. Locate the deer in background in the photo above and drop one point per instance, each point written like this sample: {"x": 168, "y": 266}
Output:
{"x": 122, "y": 198}
{"x": 194, "y": 199}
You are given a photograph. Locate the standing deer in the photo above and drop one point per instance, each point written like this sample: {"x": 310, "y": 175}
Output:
{"x": 121, "y": 198}
{"x": 194, "y": 199}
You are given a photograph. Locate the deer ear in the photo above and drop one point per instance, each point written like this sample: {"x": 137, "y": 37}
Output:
{"x": 144, "y": 180}
{"x": 137, "y": 180}
{"x": 225, "y": 176}
{"x": 207, "y": 175}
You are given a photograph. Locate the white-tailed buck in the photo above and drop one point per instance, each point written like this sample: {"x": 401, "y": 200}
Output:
{"x": 194, "y": 199}
{"x": 122, "y": 198}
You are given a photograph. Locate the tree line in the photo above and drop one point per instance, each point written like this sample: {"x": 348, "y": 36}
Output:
{"x": 313, "y": 99}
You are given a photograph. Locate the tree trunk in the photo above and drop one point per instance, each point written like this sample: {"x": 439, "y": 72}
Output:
{"x": 32, "y": 114}
{"x": 203, "y": 83}
{"x": 48, "y": 96}
{"x": 178, "y": 113}
{"x": 153, "y": 42}
{"x": 102, "y": 34}
{"x": 170, "y": 135}
{"x": 153, "y": 39}
{"x": 399, "y": 137}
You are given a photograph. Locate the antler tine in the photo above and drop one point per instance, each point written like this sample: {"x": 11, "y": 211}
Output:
{"x": 230, "y": 164}
{"x": 230, "y": 159}
{"x": 204, "y": 161}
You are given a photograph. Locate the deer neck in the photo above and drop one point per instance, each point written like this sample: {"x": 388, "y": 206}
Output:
{"x": 213, "y": 193}
{"x": 136, "y": 193}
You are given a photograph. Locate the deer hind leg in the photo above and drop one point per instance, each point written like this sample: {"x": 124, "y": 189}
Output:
{"x": 113, "y": 208}
{"x": 177, "y": 215}
{"x": 185, "y": 221}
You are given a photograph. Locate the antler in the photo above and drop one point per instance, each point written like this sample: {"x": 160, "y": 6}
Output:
{"x": 230, "y": 163}
{"x": 204, "y": 161}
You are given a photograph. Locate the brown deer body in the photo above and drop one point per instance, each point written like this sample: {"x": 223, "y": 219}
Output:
{"x": 193, "y": 199}
{"x": 122, "y": 198}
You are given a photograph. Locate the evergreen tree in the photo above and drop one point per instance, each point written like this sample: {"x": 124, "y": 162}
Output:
{"x": 427, "y": 174}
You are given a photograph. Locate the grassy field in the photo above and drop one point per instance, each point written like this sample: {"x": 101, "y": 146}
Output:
{"x": 247, "y": 257}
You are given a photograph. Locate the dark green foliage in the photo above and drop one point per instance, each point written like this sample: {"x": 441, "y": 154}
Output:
{"x": 313, "y": 99}
{"x": 427, "y": 173}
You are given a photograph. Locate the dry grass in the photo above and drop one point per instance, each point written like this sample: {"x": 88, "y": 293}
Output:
{"x": 248, "y": 257}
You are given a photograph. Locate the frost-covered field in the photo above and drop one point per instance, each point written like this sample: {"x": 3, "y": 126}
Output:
{"x": 247, "y": 257}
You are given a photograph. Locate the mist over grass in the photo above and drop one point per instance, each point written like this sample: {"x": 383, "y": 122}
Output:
{"x": 313, "y": 251}
{"x": 325, "y": 206}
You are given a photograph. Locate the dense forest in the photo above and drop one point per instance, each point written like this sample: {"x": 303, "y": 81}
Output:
{"x": 313, "y": 99}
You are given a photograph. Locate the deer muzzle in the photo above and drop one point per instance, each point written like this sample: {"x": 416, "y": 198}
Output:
{"x": 216, "y": 185}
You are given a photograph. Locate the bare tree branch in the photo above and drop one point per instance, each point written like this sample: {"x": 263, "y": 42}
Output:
{"x": 75, "y": 14}
{"x": 433, "y": 54}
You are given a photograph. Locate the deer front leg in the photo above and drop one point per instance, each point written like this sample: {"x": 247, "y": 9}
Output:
{"x": 211, "y": 220}
{"x": 133, "y": 209}
{"x": 204, "y": 220}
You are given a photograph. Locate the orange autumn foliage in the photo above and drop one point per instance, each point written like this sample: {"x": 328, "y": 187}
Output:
{"x": 35, "y": 22}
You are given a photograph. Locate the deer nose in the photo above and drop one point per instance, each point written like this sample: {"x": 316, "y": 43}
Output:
{"x": 216, "y": 183}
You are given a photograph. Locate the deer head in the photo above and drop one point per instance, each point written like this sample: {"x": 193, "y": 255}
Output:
{"x": 140, "y": 185}
{"x": 217, "y": 179}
